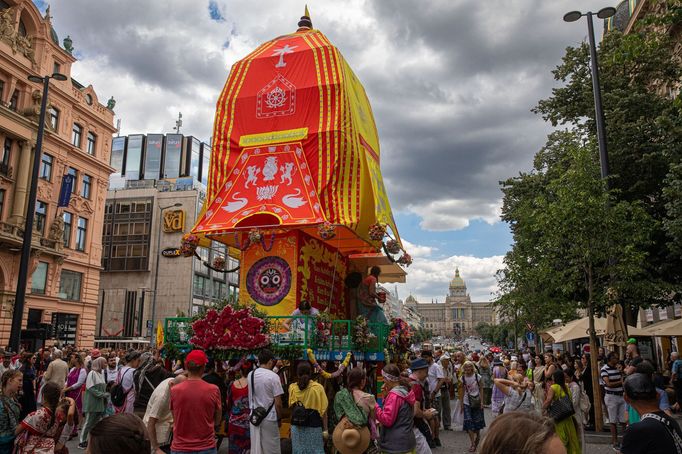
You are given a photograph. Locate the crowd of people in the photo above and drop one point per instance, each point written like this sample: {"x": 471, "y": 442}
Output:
{"x": 135, "y": 402}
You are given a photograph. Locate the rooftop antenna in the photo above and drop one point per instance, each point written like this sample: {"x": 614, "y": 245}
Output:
{"x": 178, "y": 123}
{"x": 118, "y": 128}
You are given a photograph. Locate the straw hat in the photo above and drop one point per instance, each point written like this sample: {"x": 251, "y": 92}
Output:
{"x": 349, "y": 439}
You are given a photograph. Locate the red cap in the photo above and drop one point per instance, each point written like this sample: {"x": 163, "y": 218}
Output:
{"x": 95, "y": 353}
{"x": 196, "y": 358}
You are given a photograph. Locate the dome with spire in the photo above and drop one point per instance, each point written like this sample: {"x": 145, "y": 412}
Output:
{"x": 410, "y": 300}
{"x": 457, "y": 281}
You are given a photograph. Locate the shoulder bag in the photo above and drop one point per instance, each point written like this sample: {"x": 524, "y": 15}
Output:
{"x": 561, "y": 408}
{"x": 258, "y": 414}
{"x": 474, "y": 401}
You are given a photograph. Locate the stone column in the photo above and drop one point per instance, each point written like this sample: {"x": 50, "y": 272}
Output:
{"x": 22, "y": 173}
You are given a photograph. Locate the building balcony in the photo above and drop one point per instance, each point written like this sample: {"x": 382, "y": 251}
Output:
{"x": 12, "y": 239}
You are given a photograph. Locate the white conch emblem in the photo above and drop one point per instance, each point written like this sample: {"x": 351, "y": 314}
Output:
{"x": 292, "y": 200}
{"x": 237, "y": 203}
{"x": 252, "y": 177}
{"x": 286, "y": 172}
{"x": 266, "y": 192}
{"x": 270, "y": 168}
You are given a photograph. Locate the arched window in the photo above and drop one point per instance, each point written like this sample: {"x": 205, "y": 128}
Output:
{"x": 22, "y": 28}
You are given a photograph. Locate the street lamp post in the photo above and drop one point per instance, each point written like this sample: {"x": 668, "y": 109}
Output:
{"x": 573, "y": 16}
{"x": 156, "y": 271}
{"x": 22, "y": 279}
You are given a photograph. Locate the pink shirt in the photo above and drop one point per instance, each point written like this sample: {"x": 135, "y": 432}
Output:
{"x": 193, "y": 404}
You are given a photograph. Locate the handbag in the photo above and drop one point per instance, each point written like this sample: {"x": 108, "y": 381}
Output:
{"x": 561, "y": 408}
{"x": 258, "y": 414}
{"x": 474, "y": 401}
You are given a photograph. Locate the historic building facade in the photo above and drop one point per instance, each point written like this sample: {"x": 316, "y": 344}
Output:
{"x": 61, "y": 300}
{"x": 458, "y": 316}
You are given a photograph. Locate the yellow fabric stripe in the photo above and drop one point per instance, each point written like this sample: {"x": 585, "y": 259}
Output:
{"x": 319, "y": 134}
{"x": 267, "y": 138}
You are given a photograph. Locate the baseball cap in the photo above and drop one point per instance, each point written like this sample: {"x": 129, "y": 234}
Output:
{"x": 196, "y": 358}
{"x": 419, "y": 364}
{"x": 95, "y": 353}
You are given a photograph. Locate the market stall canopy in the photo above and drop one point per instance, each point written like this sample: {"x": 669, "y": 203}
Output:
{"x": 578, "y": 329}
{"x": 391, "y": 272}
{"x": 295, "y": 146}
{"x": 667, "y": 328}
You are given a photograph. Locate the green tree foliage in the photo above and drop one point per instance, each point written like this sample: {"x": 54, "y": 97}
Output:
{"x": 422, "y": 335}
{"x": 577, "y": 245}
{"x": 500, "y": 334}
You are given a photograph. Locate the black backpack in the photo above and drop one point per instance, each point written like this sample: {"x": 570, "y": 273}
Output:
{"x": 117, "y": 393}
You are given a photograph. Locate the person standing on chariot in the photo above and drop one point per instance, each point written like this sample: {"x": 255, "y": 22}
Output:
{"x": 368, "y": 298}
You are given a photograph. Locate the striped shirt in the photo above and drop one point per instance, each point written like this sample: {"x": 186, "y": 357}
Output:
{"x": 612, "y": 374}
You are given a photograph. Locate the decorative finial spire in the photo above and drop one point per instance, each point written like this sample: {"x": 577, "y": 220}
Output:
{"x": 457, "y": 272}
{"x": 305, "y": 23}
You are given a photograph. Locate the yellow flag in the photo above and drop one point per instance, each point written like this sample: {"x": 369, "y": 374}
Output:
{"x": 159, "y": 335}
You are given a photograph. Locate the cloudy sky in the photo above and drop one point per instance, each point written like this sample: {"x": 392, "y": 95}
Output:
{"x": 451, "y": 84}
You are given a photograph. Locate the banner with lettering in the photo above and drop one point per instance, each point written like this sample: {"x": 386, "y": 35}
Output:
{"x": 321, "y": 273}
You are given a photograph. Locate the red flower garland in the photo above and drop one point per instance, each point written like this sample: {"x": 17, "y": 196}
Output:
{"x": 230, "y": 329}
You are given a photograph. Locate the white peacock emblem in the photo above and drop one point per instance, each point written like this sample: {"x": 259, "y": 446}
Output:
{"x": 236, "y": 204}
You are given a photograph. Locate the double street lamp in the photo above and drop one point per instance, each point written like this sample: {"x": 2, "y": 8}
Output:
{"x": 573, "y": 16}
{"x": 22, "y": 279}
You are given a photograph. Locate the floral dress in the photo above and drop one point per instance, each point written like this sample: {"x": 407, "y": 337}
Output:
{"x": 39, "y": 437}
{"x": 238, "y": 421}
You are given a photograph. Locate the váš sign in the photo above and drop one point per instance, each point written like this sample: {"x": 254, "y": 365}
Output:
{"x": 171, "y": 252}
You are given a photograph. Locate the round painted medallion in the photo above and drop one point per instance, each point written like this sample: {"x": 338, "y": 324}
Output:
{"x": 269, "y": 280}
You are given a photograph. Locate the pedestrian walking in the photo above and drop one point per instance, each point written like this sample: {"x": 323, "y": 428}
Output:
{"x": 126, "y": 381}
{"x": 566, "y": 428}
{"x": 28, "y": 395}
{"x": 613, "y": 388}
{"x": 238, "y": 413}
{"x": 265, "y": 392}
{"x": 474, "y": 419}
{"x": 396, "y": 416}
{"x": 196, "y": 408}
{"x": 309, "y": 412}
{"x": 95, "y": 399}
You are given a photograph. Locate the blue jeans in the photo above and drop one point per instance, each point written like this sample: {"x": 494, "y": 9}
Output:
{"x": 205, "y": 451}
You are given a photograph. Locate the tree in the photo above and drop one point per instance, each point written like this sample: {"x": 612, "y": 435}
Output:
{"x": 422, "y": 335}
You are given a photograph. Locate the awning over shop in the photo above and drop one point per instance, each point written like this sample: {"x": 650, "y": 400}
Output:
{"x": 667, "y": 328}
{"x": 390, "y": 272}
{"x": 578, "y": 329}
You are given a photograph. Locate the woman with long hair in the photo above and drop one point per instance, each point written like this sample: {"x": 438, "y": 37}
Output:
{"x": 95, "y": 400}
{"x": 355, "y": 409}
{"x": 75, "y": 381}
{"x": 518, "y": 392}
{"x": 28, "y": 396}
{"x": 397, "y": 415}
{"x": 539, "y": 383}
{"x": 576, "y": 394}
{"x": 308, "y": 400}
{"x": 522, "y": 433}
{"x": 40, "y": 431}
{"x": 238, "y": 410}
{"x": 9, "y": 409}
{"x": 474, "y": 419}
{"x": 567, "y": 427}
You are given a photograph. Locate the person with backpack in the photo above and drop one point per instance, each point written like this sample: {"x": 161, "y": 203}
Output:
{"x": 308, "y": 401}
{"x": 265, "y": 400}
{"x": 123, "y": 391}
{"x": 147, "y": 377}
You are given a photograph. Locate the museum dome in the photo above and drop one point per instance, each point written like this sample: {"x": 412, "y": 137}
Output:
{"x": 457, "y": 281}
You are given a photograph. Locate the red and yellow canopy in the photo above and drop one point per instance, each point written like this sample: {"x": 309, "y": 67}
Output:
{"x": 295, "y": 145}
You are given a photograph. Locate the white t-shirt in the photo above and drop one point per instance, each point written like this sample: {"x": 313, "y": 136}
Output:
{"x": 127, "y": 378}
{"x": 435, "y": 374}
{"x": 299, "y": 323}
{"x": 159, "y": 408}
{"x": 267, "y": 387}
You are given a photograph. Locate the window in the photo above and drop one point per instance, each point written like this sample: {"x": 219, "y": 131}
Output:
{"x": 14, "y": 101}
{"x": 41, "y": 214}
{"x": 88, "y": 99}
{"x": 133, "y": 159}
{"x": 2, "y": 202}
{"x": 173, "y": 157}
{"x": 74, "y": 173}
{"x": 39, "y": 279}
{"x": 118, "y": 145}
{"x": 77, "y": 135}
{"x": 70, "y": 285}
{"x": 56, "y": 68}
{"x": 6, "y": 156}
{"x": 152, "y": 156}
{"x": 54, "y": 117}
{"x": 126, "y": 235}
{"x": 46, "y": 167}
{"x": 92, "y": 142}
{"x": 87, "y": 186}
{"x": 81, "y": 231}
{"x": 68, "y": 225}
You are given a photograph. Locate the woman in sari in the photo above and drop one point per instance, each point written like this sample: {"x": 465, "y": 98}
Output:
{"x": 355, "y": 409}
{"x": 539, "y": 382}
{"x": 74, "y": 386}
{"x": 40, "y": 432}
{"x": 238, "y": 432}
{"x": 566, "y": 429}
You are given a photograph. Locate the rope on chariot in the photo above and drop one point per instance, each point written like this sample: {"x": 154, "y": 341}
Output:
{"x": 324, "y": 373}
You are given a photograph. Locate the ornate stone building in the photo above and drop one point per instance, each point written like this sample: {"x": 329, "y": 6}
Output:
{"x": 61, "y": 300}
{"x": 458, "y": 316}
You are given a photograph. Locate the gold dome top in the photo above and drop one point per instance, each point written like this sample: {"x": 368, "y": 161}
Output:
{"x": 457, "y": 281}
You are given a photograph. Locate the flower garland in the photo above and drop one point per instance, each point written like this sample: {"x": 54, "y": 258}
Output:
{"x": 219, "y": 263}
{"x": 189, "y": 244}
{"x": 377, "y": 232}
{"x": 405, "y": 259}
{"x": 255, "y": 235}
{"x": 323, "y": 329}
{"x": 324, "y": 373}
{"x": 362, "y": 336}
{"x": 392, "y": 246}
{"x": 272, "y": 242}
{"x": 399, "y": 337}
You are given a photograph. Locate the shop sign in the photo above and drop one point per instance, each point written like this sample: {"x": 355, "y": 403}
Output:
{"x": 171, "y": 252}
